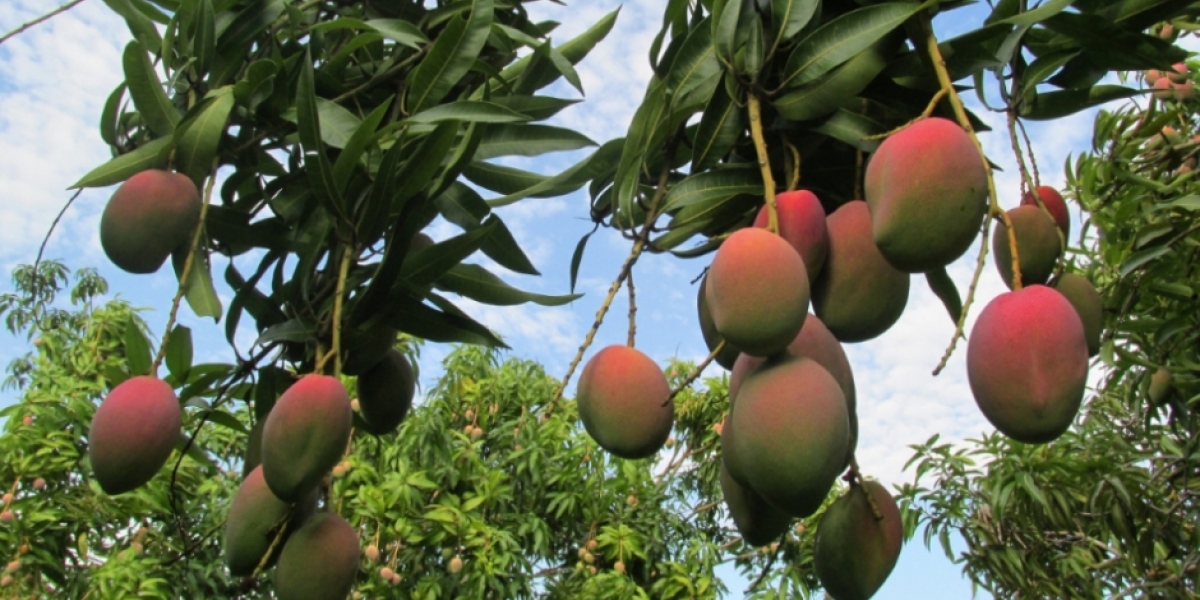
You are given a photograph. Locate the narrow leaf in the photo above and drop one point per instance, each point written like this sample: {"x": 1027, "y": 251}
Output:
{"x": 842, "y": 38}
{"x": 199, "y": 136}
{"x": 479, "y": 284}
{"x": 147, "y": 91}
{"x": 151, "y": 155}
{"x": 450, "y": 58}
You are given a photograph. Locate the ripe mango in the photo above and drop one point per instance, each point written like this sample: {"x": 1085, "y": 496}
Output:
{"x": 1037, "y": 244}
{"x": 385, "y": 393}
{"x": 305, "y": 435}
{"x": 926, "y": 186}
{"x": 802, "y": 224}
{"x": 621, "y": 395}
{"x": 793, "y": 431}
{"x": 855, "y": 549}
{"x": 150, "y": 215}
{"x": 1055, "y": 205}
{"x": 757, "y": 292}
{"x": 319, "y": 561}
{"x": 859, "y": 295}
{"x": 133, "y": 433}
{"x": 1027, "y": 363}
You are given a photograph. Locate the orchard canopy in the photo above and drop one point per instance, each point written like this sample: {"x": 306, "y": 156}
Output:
{"x": 821, "y": 157}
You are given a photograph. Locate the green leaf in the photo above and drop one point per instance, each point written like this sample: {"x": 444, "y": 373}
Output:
{"x": 1189, "y": 202}
{"x": 205, "y": 44}
{"x": 320, "y": 172}
{"x": 1054, "y": 105}
{"x": 401, "y": 32}
{"x": 721, "y": 183}
{"x": 790, "y": 16}
{"x": 358, "y": 143}
{"x": 835, "y": 90}
{"x": 724, "y": 29}
{"x": 479, "y": 284}
{"x": 529, "y": 140}
{"x": 467, "y": 111}
{"x": 1040, "y": 13}
{"x": 109, "y": 116}
{"x": 200, "y": 134}
{"x": 450, "y": 57}
{"x": 224, "y": 419}
{"x": 853, "y": 129}
{"x": 638, "y": 142}
{"x": 943, "y": 286}
{"x": 147, "y": 92}
{"x": 426, "y": 266}
{"x": 842, "y": 38}
{"x": 1141, "y": 257}
{"x": 152, "y": 155}
{"x": 577, "y": 255}
{"x": 1041, "y": 69}
{"x": 140, "y": 25}
{"x": 720, "y": 127}
{"x": 292, "y": 330}
{"x": 337, "y": 123}
{"x": 695, "y": 63}
{"x": 425, "y": 322}
{"x": 601, "y": 161}
{"x": 537, "y": 74}
{"x": 179, "y": 352}
{"x": 536, "y": 108}
{"x": 137, "y": 349}
{"x": 199, "y": 291}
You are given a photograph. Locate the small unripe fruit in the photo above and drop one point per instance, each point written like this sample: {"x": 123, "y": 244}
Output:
{"x": 1179, "y": 73}
{"x": 469, "y": 415}
{"x": 631, "y": 500}
{"x": 23, "y": 549}
{"x": 1183, "y": 91}
{"x": 137, "y": 548}
{"x": 354, "y": 405}
{"x": 386, "y": 573}
{"x": 589, "y": 558}
{"x": 591, "y": 545}
{"x": 395, "y": 578}
{"x": 468, "y": 429}
{"x": 8, "y": 498}
{"x": 582, "y": 552}
{"x": 1152, "y": 76}
{"x": 372, "y": 552}
{"x": 718, "y": 427}
{"x": 39, "y": 483}
{"x": 456, "y": 565}
{"x": 6, "y": 580}
{"x": 1162, "y": 88}
{"x": 339, "y": 470}
{"x": 7, "y": 516}
{"x": 28, "y": 420}
{"x": 13, "y": 567}
{"x": 619, "y": 567}
{"x": 476, "y": 433}
{"x": 592, "y": 570}
{"x": 1160, "y": 385}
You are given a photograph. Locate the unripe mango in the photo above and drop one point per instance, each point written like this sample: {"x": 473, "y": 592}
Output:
{"x": 621, "y": 397}
{"x": 859, "y": 295}
{"x": 802, "y": 224}
{"x": 366, "y": 349}
{"x": 150, "y": 215}
{"x": 1037, "y": 244}
{"x": 926, "y": 186}
{"x": 708, "y": 329}
{"x": 757, "y": 521}
{"x": 305, "y": 435}
{"x": 792, "y": 433}
{"x": 250, "y": 527}
{"x": 1027, "y": 363}
{"x": 856, "y": 549}
{"x": 385, "y": 393}
{"x": 1087, "y": 302}
{"x": 319, "y": 561}
{"x": 133, "y": 433}
{"x": 757, "y": 292}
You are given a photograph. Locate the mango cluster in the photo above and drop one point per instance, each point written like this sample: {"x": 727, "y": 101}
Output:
{"x": 152, "y": 215}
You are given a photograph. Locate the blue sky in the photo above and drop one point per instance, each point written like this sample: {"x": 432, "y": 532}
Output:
{"x": 54, "y": 80}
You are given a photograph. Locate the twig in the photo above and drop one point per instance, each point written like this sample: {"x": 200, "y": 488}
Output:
{"x": 46, "y": 17}
{"x": 337, "y": 310}
{"x": 691, "y": 378}
{"x": 962, "y": 317}
{"x": 185, "y": 274}
{"x": 764, "y": 164}
{"x": 632, "y": 310}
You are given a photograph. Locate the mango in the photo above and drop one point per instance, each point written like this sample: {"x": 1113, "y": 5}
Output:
{"x": 319, "y": 561}
{"x": 856, "y": 549}
{"x": 860, "y": 294}
{"x": 926, "y": 187}
{"x": 252, "y": 522}
{"x": 623, "y": 402}
{"x": 757, "y": 521}
{"x": 1087, "y": 302}
{"x": 802, "y": 224}
{"x": 757, "y": 292}
{"x": 1055, "y": 205}
{"x": 793, "y": 432}
{"x": 1027, "y": 363}
{"x": 133, "y": 433}
{"x": 708, "y": 330}
{"x": 150, "y": 215}
{"x": 305, "y": 435}
{"x": 1037, "y": 244}
{"x": 385, "y": 393}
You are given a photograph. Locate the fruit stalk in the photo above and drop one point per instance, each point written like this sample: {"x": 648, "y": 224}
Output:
{"x": 343, "y": 270}
{"x": 186, "y": 273}
{"x": 632, "y": 311}
{"x": 639, "y": 244}
{"x": 764, "y": 165}
{"x": 961, "y": 326}
{"x": 960, "y": 113}
{"x": 691, "y": 378}
{"x": 280, "y": 533}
